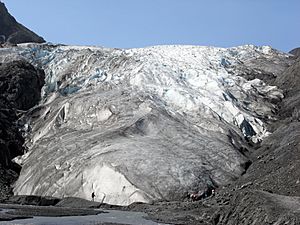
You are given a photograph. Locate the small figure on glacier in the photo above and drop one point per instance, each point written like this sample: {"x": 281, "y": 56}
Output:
{"x": 93, "y": 196}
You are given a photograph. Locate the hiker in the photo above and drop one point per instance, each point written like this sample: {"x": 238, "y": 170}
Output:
{"x": 93, "y": 196}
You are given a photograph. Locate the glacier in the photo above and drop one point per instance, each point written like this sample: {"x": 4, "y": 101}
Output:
{"x": 137, "y": 125}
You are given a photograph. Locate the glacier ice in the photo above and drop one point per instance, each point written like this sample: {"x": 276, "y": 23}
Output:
{"x": 142, "y": 124}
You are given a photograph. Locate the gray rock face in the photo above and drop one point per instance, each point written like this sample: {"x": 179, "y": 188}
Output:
{"x": 20, "y": 89}
{"x": 259, "y": 207}
{"x": 290, "y": 82}
{"x": 295, "y": 51}
{"x": 144, "y": 124}
{"x": 13, "y": 32}
{"x": 21, "y": 84}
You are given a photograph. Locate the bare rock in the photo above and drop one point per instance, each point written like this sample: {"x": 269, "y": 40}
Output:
{"x": 20, "y": 89}
{"x": 13, "y": 32}
{"x": 295, "y": 51}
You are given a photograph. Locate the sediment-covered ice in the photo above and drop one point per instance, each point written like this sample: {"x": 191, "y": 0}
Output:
{"x": 143, "y": 124}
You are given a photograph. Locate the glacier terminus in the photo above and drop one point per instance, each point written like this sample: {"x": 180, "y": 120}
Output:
{"x": 137, "y": 125}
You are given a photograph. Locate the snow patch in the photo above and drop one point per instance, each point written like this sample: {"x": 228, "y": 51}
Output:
{"x": 103, "y": 115}
{"x": 110, "y": 186}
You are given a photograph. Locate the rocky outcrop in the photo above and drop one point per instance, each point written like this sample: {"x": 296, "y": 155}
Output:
{"x": 259, "y": 207}
{"x": 20, "y": 89}
{"x": 295, "y": 51}
{"x": 21, "y": 84}
{"x": 13, "y": 32}
{"x": 11, "y": 140}
{"x": 289, "y": 81}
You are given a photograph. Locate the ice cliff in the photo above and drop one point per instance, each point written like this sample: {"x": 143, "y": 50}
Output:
{"x": 143, "y": 124}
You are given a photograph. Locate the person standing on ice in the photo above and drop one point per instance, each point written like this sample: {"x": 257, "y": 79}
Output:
{"x": 93, "y": 196}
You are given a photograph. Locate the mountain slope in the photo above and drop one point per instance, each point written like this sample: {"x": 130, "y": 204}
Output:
{"x": 274, "y": 175}
{"x": 20, "y": 89}
{"x": 13, "y": 32}
{"x": 295, "y": 51}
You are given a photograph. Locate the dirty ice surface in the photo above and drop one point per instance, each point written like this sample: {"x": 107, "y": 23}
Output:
{"x": 136, "y": 125}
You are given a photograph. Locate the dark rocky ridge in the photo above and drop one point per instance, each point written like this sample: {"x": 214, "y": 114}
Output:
{"x": 289, "y": 81}
{"x": 20, "y": 85}
{"x": 13, "y": 32}
{"x": 20, "y": 89}
{"x": 295, "y": 51}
